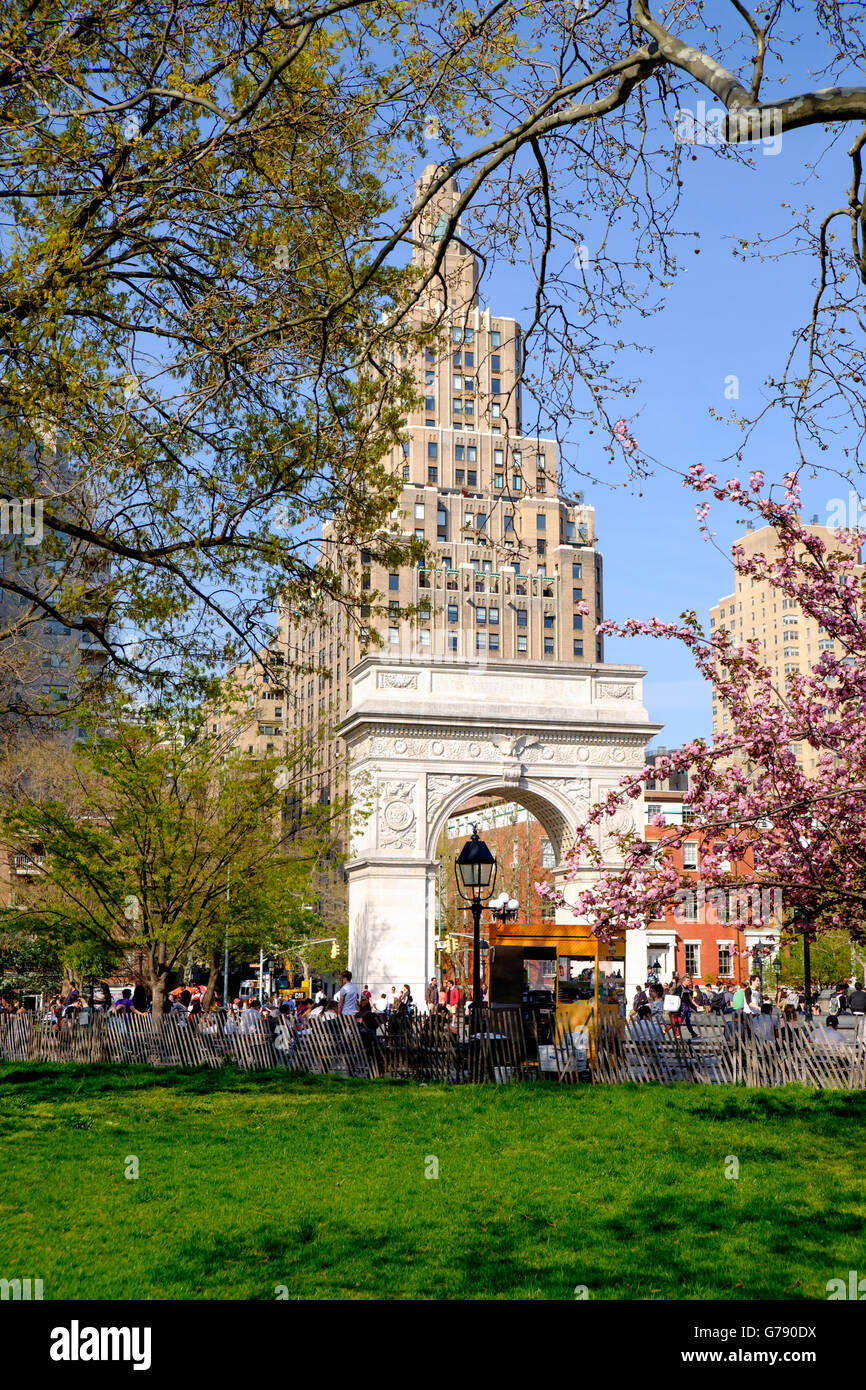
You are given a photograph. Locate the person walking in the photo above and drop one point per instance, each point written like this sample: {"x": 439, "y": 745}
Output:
{"x": 347, "y": 995}
{"x": 656, "y": 1004}
{"x": 641, "y": 998}
{"x": 431, "y": 995}
{"x": 687, "y": 998}
{"x": 453, "y": 1000}
{"x": 857, "y": 999}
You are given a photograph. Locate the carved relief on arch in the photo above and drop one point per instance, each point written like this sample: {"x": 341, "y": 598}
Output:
{"x": 397, "y": 821}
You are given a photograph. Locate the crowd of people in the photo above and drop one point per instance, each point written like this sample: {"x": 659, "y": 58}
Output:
{"x": 673, "y": 1005}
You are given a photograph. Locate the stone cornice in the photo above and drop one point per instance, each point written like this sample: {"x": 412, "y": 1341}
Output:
{"x": 469, "y": 725}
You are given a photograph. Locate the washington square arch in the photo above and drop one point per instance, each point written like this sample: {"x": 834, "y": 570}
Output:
{"x": 423, "y": 737}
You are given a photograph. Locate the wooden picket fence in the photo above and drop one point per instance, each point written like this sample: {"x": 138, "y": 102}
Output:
{"x": 500, "y": 1047}
{"x": 764, "y": 1052}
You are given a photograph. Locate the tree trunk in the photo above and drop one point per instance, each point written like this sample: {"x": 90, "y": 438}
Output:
{"x": 158, "y": 979}
{"x": 212, "y": 978}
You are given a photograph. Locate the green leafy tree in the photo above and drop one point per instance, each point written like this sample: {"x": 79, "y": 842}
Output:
{"x": 159, "y": 839}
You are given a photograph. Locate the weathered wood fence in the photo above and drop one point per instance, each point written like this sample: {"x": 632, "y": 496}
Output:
{"x": 500, "y": 1048}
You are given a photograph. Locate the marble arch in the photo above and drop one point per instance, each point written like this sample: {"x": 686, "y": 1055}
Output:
{"x": 423, "y": 736}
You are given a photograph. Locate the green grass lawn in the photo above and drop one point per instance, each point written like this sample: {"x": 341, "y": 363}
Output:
{"x": 251, "y": 1181}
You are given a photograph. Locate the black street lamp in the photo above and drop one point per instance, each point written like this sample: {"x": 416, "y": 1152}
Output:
{"x": 800, "y": 919}
{"x": 759, "y": 950}
{"x": 475, "y": 870}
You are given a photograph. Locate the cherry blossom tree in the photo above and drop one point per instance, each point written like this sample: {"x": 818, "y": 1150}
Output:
{"x": 763, "y": 821}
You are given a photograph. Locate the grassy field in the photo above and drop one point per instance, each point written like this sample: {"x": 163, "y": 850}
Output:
{"x": 252, "y": 1181}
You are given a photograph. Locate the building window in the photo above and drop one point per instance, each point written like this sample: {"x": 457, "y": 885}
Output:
{"x": 405, "y": 472}
{"x": 499, "y": 481}
{"x": 457, "y": 406}
{"x": 548, "y": 620}
{"x": 472, "y": 477}
{"x": 690, "y": 854}
{"x": 548, "y": 646}
{"x": 689, "y": 905}
{"x": 496, "y": 339}
{"x": 578, "y": 648}
{"x": 522, "y": 617}
{"x": 493, "y": 615}
{"x": 432, "y": 449}
{"x": 577, "y": 622}
{"x": 541, "y": 548}
{"x": 481, "y": 641}
{"x": 498, "y": 458}
{"x": 495, "y": 386}
{"x": 548, "y": 858}
{"x": 493, "y": 639}
{"x": 495, "y": 363}
{"x": 424, "y": 637}
{"x": 432, "y": 473}
{"x": 419, "y": 511}
{"x": 495, "y": 410}
{"x": 725, "y": 958}
{"x": 576, "y": 571}
{"x": 693, "y": 958}
{"x": 516, "y": 483}
{"x": 460, "y": 476}
{"x": 508, "y": 522}
{"x": 541, "y": 522}
{"x": 521, "y": 644}
{"x": 452, "y": 641}
{"x": 393, "y": 635}
{"x": 393, "y": 582}
{"x": 452, "y": 612}
{"x": 481, "y": 615}
{"x": 471, "y": 453}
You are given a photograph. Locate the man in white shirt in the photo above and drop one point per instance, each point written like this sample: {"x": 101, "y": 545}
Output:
{"x": 251, "y": 1018}
{"x": 347, "y": 997}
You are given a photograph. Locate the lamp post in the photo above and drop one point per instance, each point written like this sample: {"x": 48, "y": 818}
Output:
{"x": 475, "y": 871}
{"x": 777, "y": 971}
{"x": 759, "y": 950}
{"x": 504, "y": 909}
{"x": 799, "y": 918}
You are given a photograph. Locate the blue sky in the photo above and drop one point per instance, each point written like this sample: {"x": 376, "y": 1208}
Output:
{"x": 722, "y": 317}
